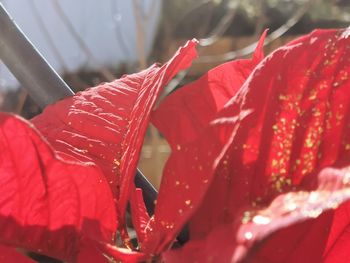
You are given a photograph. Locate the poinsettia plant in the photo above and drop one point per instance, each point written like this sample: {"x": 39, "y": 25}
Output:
{"x": 259, "y": 169}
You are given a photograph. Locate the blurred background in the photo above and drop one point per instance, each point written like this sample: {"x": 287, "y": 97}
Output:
{"x": 88, "y": 41}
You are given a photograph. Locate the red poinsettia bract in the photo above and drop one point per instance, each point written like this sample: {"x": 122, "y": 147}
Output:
{"x": 106, "y": 124}
{"x": 9, "y": 254}
{"x": 48, "y": 205}
{"x": 253, "y": 178}
{"x": 65, "y": 183}
{"x": 259, "y": 170}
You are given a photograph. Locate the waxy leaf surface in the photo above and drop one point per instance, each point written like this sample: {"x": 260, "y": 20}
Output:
{"x": 303, "y": 225}
{"x": 105, "y": 125}
{"x": 296, "y": 104}
{"x": 48, "y": 205}
{"x": 184, "y": 119}
{"x": 193, "y": 106}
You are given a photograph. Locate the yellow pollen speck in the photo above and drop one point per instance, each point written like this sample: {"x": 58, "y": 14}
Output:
{"x": 274, "y": 163}
{"x": 312, "y": 97}
{"x": 317, "y": 113}
{"x": 116, "y": 162}
{"x": 308, "y": 143}
{"x": 344, "y": 77}
{"x": 246, "y": 217}
{"x": 282, "y": 97}
{"x": 339, "y": 117}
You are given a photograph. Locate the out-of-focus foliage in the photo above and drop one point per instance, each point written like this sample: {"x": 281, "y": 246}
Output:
{"x": 186, "y": 19}
{"x": 201, "y": 16}
{"x": 335, "y": 10}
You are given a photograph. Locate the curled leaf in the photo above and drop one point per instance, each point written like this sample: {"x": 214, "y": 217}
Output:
{"x": 140, "y": 216}
{"x": 301, "y": 223}
{"x": 105, "y": 125}
{"x": 197, "y": 145}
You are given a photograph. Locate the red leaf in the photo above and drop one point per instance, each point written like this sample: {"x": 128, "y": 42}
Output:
{"x": 299, "y": 110}
{"x": 47, "y": 204}
{"x": 307, "y": 230}
{"x": 192, "y": 155}
{"x": 192, "y": 107}
{"x": 106, "y": 124}
{"x": 187, "y": 175}
{"x": 100, "y": 252}
{"x": 10, "y": 255}
{"x": 301, "y": 237}
{"x": 216, "y": 247}
{"x": 296, "y": 106}
{"x": 139, "y": 213}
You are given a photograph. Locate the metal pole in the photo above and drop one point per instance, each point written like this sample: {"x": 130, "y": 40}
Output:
{"x": 41, "y": 81}
{"x": 25, "y": 62}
